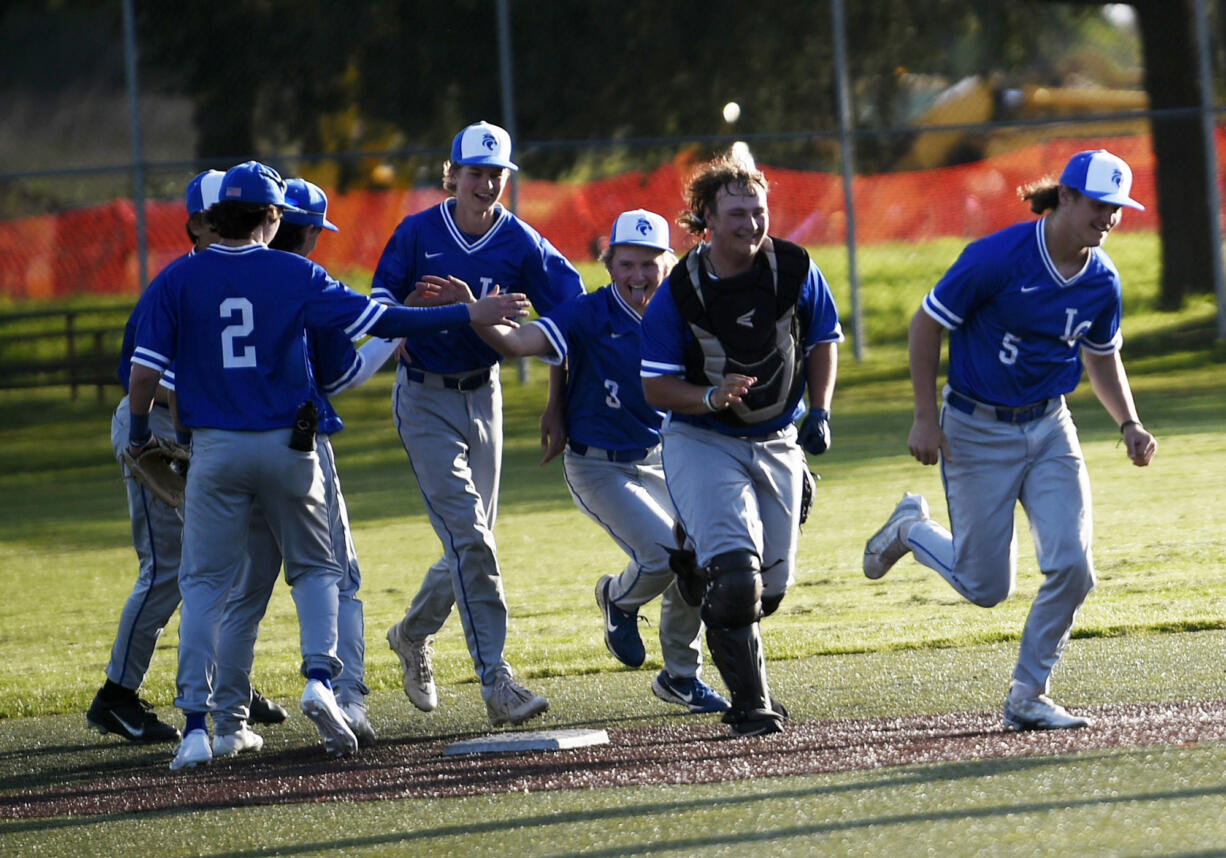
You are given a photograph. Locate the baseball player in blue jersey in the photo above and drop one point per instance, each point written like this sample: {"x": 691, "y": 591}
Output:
{"x": 156, "y": 535}
{"x": 448, "y": 409}
{"x": 612, "y": 458}
{"x": 1025, "y": 308}
{"x": 337, "y": 366}
{"x": 234, "y": 318}
{"x": 744, "y": 323}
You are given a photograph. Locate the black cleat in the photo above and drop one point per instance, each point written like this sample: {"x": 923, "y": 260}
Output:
{"x": 265, "y": 711}
{"x": 129, "y": 716}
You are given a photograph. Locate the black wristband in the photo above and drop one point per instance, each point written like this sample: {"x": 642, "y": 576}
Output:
{"x": 1128, "y": 423}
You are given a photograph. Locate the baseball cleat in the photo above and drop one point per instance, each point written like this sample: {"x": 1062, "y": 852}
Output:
{"x": 885, "y": 547}
{"x": 129, "y": 716}
{"x": 231, "y": 744}
{"x": 319, "y": 704}
{"x": 754, "y": 722}
{"x": 192, "y": 751}
{"x": 418, "y": 671}
{"x": 507, "y": 702}
{"x": 359, "y": 723}
{"x": 1040, "y": 713}
{"x": 265, "y": 711}
{"x": 688, "y": 691}
{"x": 621, "y": 628}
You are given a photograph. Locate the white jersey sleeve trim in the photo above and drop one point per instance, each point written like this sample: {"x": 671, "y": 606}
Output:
{"x": 371, "y": 357}
{"x": 369, "y": 316}
{"x": 151, "y": 359}
{"x": 556, "y": 341}
{"x": 382, "y": 293}
{"x": 940, "y": 313}
{"x": 654, "y": 369}
{"x": 1105, "y": 348}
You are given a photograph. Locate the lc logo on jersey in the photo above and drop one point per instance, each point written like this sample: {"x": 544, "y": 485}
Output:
{"x": 745, "y": 320}
{"x": 1073, "y": 333}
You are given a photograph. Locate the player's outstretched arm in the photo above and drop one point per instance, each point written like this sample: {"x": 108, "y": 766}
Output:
{"x": 1110, "y": 383}
{"x": 515, "y": 341}
{"x": 926, "y": 441}
{"x": 496, "y": 308}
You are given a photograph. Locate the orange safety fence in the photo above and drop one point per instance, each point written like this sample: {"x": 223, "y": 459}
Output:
{"x": 93, "y": 250}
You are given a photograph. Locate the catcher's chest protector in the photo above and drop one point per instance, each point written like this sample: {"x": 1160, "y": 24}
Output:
{"x": 746, "y": 324}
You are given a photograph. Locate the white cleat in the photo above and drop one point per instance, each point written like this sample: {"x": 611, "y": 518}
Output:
{"x": 359, "y": 723}
{"x": 885, "y": 547}
{"x": 1041, "y": 713}
{"x": 192, "y": 751}
{"x": 232, "y": 744}
{"x": 418, "y": 670}
{"x": 510, "y": 703}
{"x": 319, "y": 704}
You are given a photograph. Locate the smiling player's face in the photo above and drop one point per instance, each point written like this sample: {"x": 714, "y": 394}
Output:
{"x": 637, "y": 273}
{"x": 478, "y": 188}
{"x": 1091, "y": 220}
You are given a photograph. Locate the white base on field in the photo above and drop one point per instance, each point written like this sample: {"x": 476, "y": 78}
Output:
{"x": 537, "y": 740}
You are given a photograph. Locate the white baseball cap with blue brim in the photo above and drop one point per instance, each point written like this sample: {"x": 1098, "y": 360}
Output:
{"x": 640, "y": 228}
{"x": 1101, "y": 176}
{"x": 253, "y": 182}
{"x": 202, "y": 191}
{"x": 310, "y": 205}
{"x": 483, "y": 145}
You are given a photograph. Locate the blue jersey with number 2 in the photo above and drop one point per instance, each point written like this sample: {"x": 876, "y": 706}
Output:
{"x": 1017, "y": 326}
{"x": 233, "y": 321}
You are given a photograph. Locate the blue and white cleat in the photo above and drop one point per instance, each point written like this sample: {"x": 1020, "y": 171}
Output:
{"x": 621, "y": 628}
{"x": 688, "y": 691}
{"x": 1041, "y": 713}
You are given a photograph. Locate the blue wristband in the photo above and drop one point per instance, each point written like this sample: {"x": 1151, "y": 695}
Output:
{"x": 820, "y": 413}
{"x": 138, "y": 429}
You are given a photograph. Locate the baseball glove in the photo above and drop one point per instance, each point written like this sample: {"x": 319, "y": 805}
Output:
{"x": 153, "y": 466}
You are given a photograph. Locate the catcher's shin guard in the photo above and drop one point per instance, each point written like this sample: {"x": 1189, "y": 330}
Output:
{"x": 738, "y": 656}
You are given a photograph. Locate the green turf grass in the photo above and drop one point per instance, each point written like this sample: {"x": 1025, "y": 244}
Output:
{"x": 840, "y": 645}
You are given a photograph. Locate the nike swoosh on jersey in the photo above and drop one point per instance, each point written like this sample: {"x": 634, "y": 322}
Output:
{"x": 615, "y": 335}
{"x": 1025, "y": 289}
{"x": 434, "y": 255}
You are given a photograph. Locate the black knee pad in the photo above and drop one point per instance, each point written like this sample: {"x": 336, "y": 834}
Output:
{"x": 734, "y": 590}
{"x": 770, "y": 604}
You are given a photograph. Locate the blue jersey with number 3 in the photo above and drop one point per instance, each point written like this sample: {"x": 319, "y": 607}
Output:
{"x": 233, "y": 322}
{"x": 598, "y": 335}
{"x": 511, "y": 255}
{"x": 1017, "y": 326}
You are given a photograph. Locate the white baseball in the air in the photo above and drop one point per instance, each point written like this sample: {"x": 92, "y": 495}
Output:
{"x": 732, "y": 112}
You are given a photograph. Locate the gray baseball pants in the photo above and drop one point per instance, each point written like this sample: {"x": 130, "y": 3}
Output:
{"x": 157, "y": 532}
{"x": 249, "y": 600}
{"x": 230, "y": 473}
{"x": 454, "y": 442}
{"x": 630, "y": 501}
{"x": 994, "y": 466}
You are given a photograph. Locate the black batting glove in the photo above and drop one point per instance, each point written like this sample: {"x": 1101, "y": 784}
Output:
{"x": 814, "y": 434}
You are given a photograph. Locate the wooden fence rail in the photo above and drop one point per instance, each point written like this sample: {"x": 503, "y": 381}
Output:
{"x": 74, "y": 347}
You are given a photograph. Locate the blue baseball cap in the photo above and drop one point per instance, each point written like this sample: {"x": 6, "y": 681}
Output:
{"x": 1101, "y": 176}
{"x": 253, "y": 182}
{"x": 202, "y": 190}
{"x": 485, "y": 145}
{"x": 310, "y": 202}
{"x": 641, "y": 228}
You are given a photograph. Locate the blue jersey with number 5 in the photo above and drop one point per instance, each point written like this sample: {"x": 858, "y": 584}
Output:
{"x": 598, "y": 335}
{"x": 233, "y": 321}
{"x": 1017, "y": 326}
